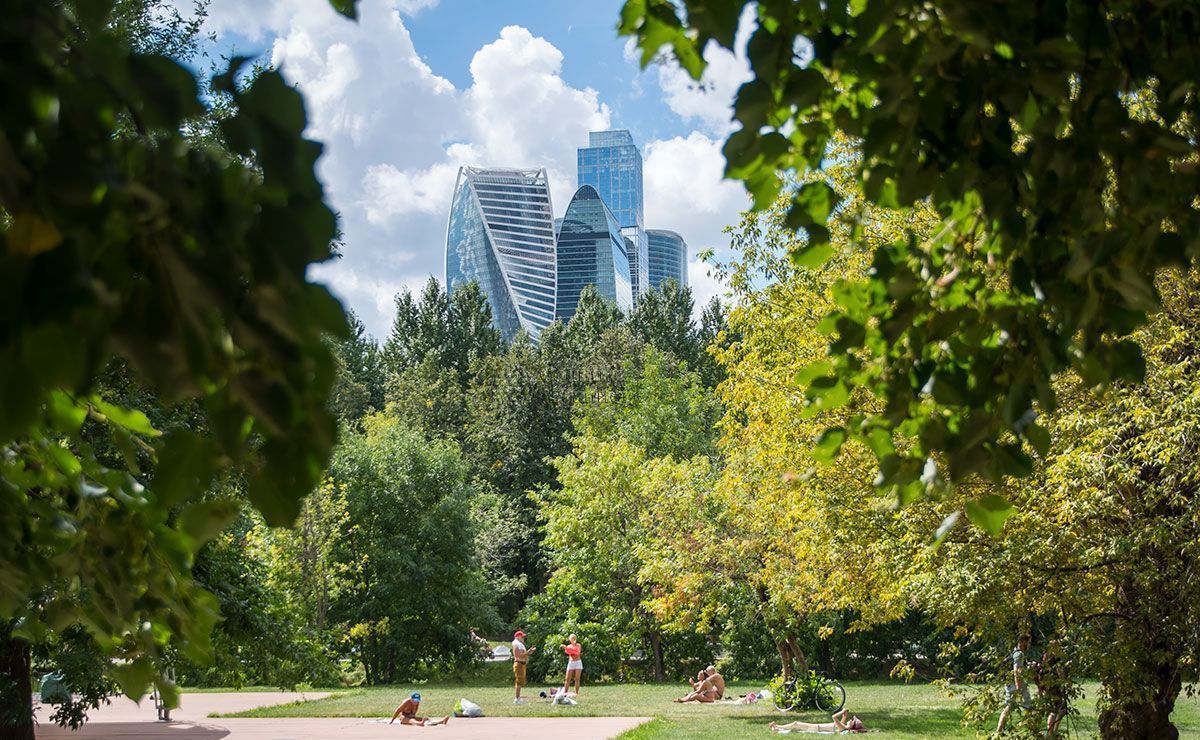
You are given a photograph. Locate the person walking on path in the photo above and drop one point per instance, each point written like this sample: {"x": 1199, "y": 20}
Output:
{"x": 1019, "y": 688}
{"x": 574, "y": 664}
{"x": 520, "y": 663}
{"x": 407, "y": 711}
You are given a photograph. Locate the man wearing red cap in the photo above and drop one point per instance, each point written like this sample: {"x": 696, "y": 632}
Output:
{"x": 520, "y": 663}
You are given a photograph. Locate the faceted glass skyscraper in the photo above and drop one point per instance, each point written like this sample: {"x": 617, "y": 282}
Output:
{"x": 591, "y": 251}
{"x": 612, "y": 164}
{"x": 668, "y": 257}
{"x": 501, "y": 234}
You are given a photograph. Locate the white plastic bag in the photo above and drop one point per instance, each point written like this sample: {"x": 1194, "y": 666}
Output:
{"x": 467, "y": 708}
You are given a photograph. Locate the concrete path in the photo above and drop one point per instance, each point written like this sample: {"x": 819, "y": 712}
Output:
{"x": 124, "y": 719}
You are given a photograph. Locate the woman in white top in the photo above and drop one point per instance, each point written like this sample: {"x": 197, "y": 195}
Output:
{"x": 574, "y": 664}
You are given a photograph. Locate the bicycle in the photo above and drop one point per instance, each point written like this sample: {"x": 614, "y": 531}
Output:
{"x": 821, "y": 691}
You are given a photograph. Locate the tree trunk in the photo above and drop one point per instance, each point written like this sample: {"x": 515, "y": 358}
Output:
{"x": 791, "y": 657}
{"x": 1137, "y": 719}
{"x": 785, "y": 658}
{"x": 16, "y": 693}
{"x": 660, "y": 673}
{"x": 825, "y": 658}
{"x": 798, "y": 656}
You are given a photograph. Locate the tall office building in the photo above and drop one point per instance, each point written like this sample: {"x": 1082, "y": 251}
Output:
{"x": 668, "y": 257}
{"x": 612, "y": 164}
{"x": 591, "y": 251}
{"x": 501, "y": 234}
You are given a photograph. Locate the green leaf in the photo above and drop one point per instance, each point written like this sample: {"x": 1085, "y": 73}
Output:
{"x": 824, "y": 394}
{"x": 205, "y": 519}
{"x": 1039, "y": 439}
{"x": 1128, "y": 362}
{"x": 813, "y": 204}
{"x": 64, "y": 460}
{"x": 990, "y": 512}
{"x": 29, "y": 234}
{"x": 134, "y": 677}
{"x": 65, "y": 412}
{"x": 131, "y": 419}
{"x": 811, "y": 256}
{"x": 348, "y": 8}
{"x": 185, "y": 467}
{"x": 829, "y": 444}
{"x": 813, "y": 371}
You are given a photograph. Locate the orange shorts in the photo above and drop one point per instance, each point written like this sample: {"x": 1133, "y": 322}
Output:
{"x": 519, "y": 673}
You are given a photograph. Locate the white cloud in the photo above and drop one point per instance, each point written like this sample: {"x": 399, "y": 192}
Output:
{"x": 686, "y": 192}
{"x": 705, "y": 286}
{"x": 258, "y": 19}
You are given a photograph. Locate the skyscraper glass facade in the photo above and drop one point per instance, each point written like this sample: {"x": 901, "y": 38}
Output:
{"x": 612, "y": 164}
{"x": 501, "y": 234}
{"x": 668, "y": 257}
{"x": 591, "y": 251}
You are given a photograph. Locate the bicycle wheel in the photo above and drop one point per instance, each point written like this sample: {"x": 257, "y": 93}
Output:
{"x": 785, "y": 697}
{"x": 830, "y": 696}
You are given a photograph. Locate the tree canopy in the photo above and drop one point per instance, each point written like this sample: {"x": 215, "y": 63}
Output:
{"x": 121, "y": 237}
{"x": 1057, "y": 144}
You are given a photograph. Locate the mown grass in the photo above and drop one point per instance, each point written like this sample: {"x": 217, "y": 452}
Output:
{"x": 897, "y": 710}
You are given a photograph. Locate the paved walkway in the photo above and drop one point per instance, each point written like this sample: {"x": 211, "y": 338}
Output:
{"x": 124, "y": 719}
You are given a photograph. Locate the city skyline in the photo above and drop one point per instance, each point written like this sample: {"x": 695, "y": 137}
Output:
{"x": 532, "y": 267}
{"x": 414, "y": 90}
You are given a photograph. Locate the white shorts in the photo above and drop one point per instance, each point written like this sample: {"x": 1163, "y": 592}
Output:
{"x": 574, "y": 665}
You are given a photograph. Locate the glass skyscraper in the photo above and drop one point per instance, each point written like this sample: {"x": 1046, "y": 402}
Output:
{"x": 591, "y": 251}
{"x": 501, "y": 234}
{"x": 668, "y": 257}
{"x": 612, "y": 164}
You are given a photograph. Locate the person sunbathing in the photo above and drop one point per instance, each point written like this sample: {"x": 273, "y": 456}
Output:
{"x": 840, "y": 725}
{"x": 709, "y": 687}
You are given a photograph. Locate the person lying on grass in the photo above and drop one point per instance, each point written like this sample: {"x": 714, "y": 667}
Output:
{"x": 407, "y": 711}
{"x": 709, "y": 687}
{"x": 839, "y": 725}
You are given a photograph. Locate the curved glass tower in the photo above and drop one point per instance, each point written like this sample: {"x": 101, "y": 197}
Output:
{"x": 591, "y": 251}
{"x": 501, "y": 234}
{"x": 668, "y": 257}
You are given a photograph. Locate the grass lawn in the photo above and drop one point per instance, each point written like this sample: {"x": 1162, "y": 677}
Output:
{"x": 899, "y": 711}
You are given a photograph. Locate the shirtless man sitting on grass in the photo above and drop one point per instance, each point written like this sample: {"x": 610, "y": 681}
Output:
{"x": 407, "y": 711}
{"x": 709, "y": 687}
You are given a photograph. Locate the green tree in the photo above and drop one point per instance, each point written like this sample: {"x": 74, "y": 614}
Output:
{"x": 518, "y": 415}
{"x": 663, "y": 318}
{"x": 662, "y": 408}
{"x": 360, "y": 373}
{"x": 599, "y": 530}
{"x": 593, "y": 316}
{"x": 119, "y": 238}
{"x": 1103, "y": 537}
{"x": 713, "y": 335}
{"x": 455, "y": 328}
{"x": 411, "y": 587}
{"x": 1056, "y": 143}
{"x": 429, "y": 397}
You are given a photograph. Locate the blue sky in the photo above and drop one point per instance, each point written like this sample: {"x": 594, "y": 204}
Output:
{"x": 418, "y": 88}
